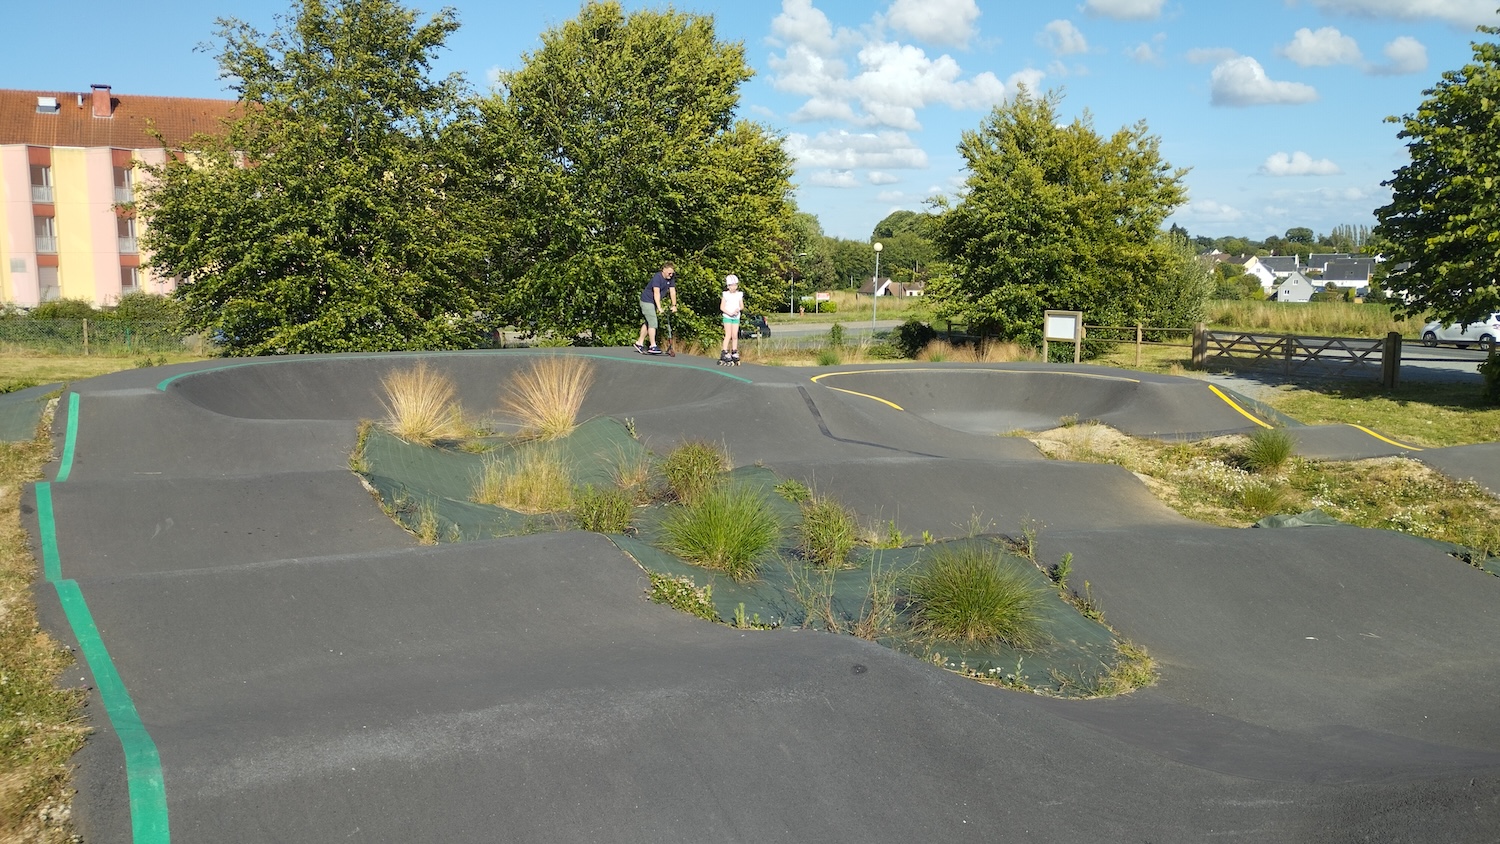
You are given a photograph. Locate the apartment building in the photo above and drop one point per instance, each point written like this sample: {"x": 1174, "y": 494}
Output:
{"x": 69, "y": 161}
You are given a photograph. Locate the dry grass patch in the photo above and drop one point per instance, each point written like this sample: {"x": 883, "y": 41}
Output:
{"x": 533, "y": 480}
{"x": 42, "y": 725}
{"x": 940, "y": 350}
{"x": 422, "y": 406}
{"x": 547, "y": 395}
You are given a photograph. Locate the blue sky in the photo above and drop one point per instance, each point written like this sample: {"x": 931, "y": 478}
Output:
{"x": 1277, "y": 107}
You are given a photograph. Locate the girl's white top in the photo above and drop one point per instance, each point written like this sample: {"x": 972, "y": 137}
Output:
{"x": 731, "y": 302}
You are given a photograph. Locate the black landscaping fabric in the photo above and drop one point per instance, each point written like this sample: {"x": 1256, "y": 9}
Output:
{"x": 307, "y": 670}
{"x": 21, "y": 411}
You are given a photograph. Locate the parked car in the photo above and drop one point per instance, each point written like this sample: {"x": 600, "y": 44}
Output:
{"x": 754, "y": 327}
{"x": 1482, "y": 333}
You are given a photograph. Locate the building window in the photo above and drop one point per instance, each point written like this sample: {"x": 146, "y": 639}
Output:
{"x": 126, "y": 230}
{"x": 124, "y": 184}
{"x": 41, "y": 183}
{"x": 130, "y": 280}
{"x": 46, "y": 235}
{"x": 48, "y": 288}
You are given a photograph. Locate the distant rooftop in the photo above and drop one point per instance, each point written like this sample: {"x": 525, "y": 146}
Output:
{"x": 124, "y": 121}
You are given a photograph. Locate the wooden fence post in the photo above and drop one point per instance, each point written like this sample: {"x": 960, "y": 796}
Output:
{"x": 1200, "y": 345}
{"x": 1137, "y": 345}
{"x": 1390, "y": 361}
{"x": 85, "y": 338}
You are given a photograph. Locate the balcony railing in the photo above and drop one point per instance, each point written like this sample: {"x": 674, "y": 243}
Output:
{"x": 46, "y": 245}
{"x": 127, "y": 246}
{"x": 41, "y": 193}
{"x": 124, "y": 194}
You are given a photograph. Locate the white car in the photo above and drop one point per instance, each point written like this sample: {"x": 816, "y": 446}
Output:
{"x": 1482, "y": 333}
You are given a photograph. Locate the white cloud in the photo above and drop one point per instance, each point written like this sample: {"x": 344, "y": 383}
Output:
{"x": 1298, "y": 164}
{"x": 1404, "y": 55}
{"x": 1211, "y": 55}
{"x": 1243, "y": 82}
{"x": 1325, "y": 47}
{"x": 1463, "y": 13}
{"x": 833, "y": 179}
{"x": 1134, "y": 10}
{"x": 1030, "y": 78}
{"x": 879, "y": 177}
{"x": 936, "y": 21}
{"x": 1148, "y": 52}
{"x": 1062, "y": 38}
{"x": 799, "y": 23}
{"x": 842, "y": 150}
{"x": 1209, "y": 211}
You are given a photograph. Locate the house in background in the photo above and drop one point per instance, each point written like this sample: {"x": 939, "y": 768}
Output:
{"x": 68, "y": 160}
{"x": 889, "y": 287}
{"x": 1283, "y": 265}
{"x": 1296, "y": 287}
{"x": 1350, "y": 273}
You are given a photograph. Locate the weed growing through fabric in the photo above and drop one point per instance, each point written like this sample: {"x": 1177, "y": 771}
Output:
{"x": 422, "y": 406}
{"x": 728, "y": 529}
{"x": 812, "y": 587}
{"x": 602, "y": 510}
{"x": 531, "y": 480}
{"x": 547, "y": 396}
{"x": 694, "y": 468}
{"x": 1085, "y": 603}
{"x": 750, "y": 622}
{"x": 1059, "y": 573}
{"x": 973, "y": 593}
{"x": 1269, "y": 449}
{"x": 793, "y": 490}
{"x": 357, "y": 461}
{"x": 631, "y": 472}
{"x": 877, "y": 614}
{"x": 427, "y": 525}
{"x": 827, "y": 532}
{"x": 681, "y": 593}
{"x": 885, "y": 535}
{"x": 1132, "y": 669}
{"x": 977, "y": 525}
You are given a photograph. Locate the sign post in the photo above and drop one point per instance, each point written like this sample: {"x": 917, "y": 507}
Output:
{"x": 1063, "y": 327}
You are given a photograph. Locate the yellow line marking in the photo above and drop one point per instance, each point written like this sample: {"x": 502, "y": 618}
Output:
{"x": 865, "y": 396}
{"x": 1384, "y": 439}
{"x": 1243, "y": 412}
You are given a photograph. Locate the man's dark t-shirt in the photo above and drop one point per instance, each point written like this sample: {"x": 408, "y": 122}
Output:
{"x": 662, "y": 283}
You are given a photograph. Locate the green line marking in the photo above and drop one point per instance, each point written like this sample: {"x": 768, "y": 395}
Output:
{"x": 652, "y": 361}
{"x": 65, "y": 466}
{"x": 143, "y": 774}
{"x": 148, "y": 790}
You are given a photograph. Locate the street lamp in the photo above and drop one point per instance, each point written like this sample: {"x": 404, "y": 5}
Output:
{"x": 875, "y": 289}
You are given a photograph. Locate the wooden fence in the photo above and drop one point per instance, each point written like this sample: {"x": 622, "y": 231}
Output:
{"x": 1290, "y": 353}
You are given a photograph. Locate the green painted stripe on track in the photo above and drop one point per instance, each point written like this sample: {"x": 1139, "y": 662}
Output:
{"x": 65, "y": 465}
{"x": 148, "y": 790}
{"x": 651, "y": 361}
{"x": 143, "y": 774}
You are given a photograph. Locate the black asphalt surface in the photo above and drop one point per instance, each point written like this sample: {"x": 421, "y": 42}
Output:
{"x": 302, "y": 670}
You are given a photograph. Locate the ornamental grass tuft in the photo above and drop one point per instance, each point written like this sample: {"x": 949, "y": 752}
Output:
{"x": 1269, "y": 449}
{"x": 694, "y": 468}
{"x": 728, "y": 529}
{"x": 533, "y": 480}
{"x": 422, "y": 406}
{"x": 973, "y": 593}
{"x": 546, "y": 396}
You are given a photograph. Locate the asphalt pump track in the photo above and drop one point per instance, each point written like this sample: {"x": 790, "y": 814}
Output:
{"x": 270, "y": 658}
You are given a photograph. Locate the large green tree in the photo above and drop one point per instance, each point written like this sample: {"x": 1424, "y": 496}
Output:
{"x": 324, "y": 218}
{"x": 616, "y": 148}
{"x": 1444, "y": 214}
{"x": 1057, "y": 216}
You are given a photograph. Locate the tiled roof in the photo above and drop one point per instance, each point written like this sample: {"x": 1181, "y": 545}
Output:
{"x": 130, "y": 127}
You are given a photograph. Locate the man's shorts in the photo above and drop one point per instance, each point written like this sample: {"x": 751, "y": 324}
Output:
{"x": 648, "y": 310}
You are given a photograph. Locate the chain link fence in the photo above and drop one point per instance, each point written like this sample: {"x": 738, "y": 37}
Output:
{"x": 107, "y": 337}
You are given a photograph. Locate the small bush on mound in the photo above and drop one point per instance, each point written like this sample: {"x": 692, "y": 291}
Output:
{"x": 546, "y": 396}
{"x": 537, "y": 480}
{"x": 693, "y": 468}
{"x": 422, "y": 406}
{"x": 1269, "y": 449}
{"x": 728, "y": 529}
{"x": 972, "y": 593}
{"x": 828, "y": 531}
{"x": 1490, "y": 369}
{"x": 912, "y": 336}
{"x": 829, "y": 357}
{"x": 602, "y": 510}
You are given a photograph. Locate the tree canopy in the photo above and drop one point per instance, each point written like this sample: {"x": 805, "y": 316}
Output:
{"x": 1444, "y": 214}
{"x": 617, "y": 148}
{"x": 321, "y": 220}
{"x": 1057, "y": 216}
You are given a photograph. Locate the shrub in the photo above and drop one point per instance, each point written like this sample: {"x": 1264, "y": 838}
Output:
{"x": 693, "y": 468}
{"x": 421, "y": 405}
{"x": 1490, "y": 369}
{"x": 829, "y": 357}
{"x": 536, "y": 480}
{"x": 65, "y": 309}
{"x": 602, "y": 510}
{"x": 973, "y": 593}
{"x": 728, "y": 529}
{"x": 1269, "y": 449}
{"x": 546, "y": 396}
{"x": 828, "y": 531}
{"x": 836, "y": 335}
{"x": 829, "y": 307}
{"x": 912, "y": 337}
